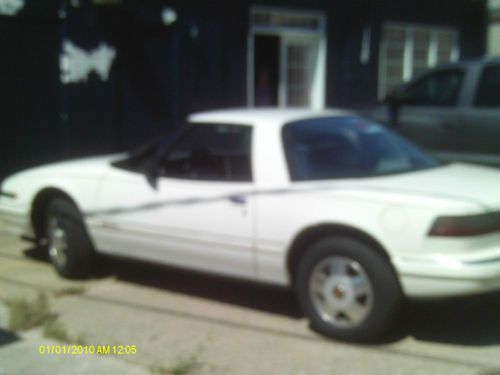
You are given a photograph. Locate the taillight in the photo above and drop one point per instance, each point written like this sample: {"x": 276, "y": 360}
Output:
{"x": 461, "y": 226}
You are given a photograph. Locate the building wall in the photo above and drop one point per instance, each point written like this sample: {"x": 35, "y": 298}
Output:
{"x": 29, "y": 90}
{"x": 162, "y": 72}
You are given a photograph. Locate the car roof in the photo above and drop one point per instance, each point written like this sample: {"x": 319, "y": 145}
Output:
{"x": 263, "y": 116}
{"x": 468, "y": 62}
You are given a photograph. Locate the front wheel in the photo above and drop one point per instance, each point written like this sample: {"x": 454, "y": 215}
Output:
{"x": 69, "y": 246}
{"x": 348, "y": 290}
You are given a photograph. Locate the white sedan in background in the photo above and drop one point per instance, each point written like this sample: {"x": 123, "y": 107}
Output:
{"x": 348, "y": 214}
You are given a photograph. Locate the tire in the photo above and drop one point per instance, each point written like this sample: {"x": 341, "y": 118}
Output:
{"x": 69, "y": 247}
{"x": 348, "y": 291}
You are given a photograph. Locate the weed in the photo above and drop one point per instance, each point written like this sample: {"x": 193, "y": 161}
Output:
{"x": 183, "y": 365}
{"x": 25, "y": 314}
{"x": 55, "y": 329}
{"x": 69, "y": 291}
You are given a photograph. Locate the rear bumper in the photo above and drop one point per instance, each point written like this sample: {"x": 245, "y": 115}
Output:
{"x": 442, "y": 276}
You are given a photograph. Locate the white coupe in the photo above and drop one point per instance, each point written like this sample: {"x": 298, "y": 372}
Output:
{"x": 348, "y": 214}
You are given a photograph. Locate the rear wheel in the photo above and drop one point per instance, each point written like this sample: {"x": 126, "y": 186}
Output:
{"x": 69, "y": 246}
{"x": 348, "y": 290}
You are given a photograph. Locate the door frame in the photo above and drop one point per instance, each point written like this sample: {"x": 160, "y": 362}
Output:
{"x": 289, "y": 33}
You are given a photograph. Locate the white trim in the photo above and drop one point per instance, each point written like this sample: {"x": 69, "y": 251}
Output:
{"x": 287, "y": 11}
{"x": 282, "y": 84}
{"x": 282, "y": 31}
{"x": 317, "y": 94}
{"x": 364, "y": 55}
{"x": 250, "y": 70}
{"x": 455, "y": 49}
{"x": 432, "y": 56}
{"x": 382, "y": 62}
{"x": 408, "y": 54}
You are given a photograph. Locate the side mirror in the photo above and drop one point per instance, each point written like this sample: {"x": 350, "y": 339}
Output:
{"x": 151, "y": 168}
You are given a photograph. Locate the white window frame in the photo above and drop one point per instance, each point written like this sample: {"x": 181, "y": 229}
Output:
{"x": 319, "y": 79}
{"x": 409, "y": 29}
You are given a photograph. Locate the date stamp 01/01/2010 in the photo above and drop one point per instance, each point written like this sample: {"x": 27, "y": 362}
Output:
{"x": 87, "y": 349}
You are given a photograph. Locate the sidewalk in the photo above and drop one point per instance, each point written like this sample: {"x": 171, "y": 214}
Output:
{"x": 225, "y": 327}
{"x": 19, "y": 354}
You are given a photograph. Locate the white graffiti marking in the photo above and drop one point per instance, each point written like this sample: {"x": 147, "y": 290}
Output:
{"x": 11, "y": 7}
{"x": 76, "y": 63}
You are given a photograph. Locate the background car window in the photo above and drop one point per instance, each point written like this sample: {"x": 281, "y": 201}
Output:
{"x": 436, "y": 89}
{"x": 211, "y": 152}
{"x": 341, "y": 147}
{"x": 488, "y": 92}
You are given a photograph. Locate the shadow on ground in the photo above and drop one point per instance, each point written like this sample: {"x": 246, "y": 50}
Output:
{"x": 462, "y": 321}
{"x": 7, "y": 337}
{"x": 236, "y": 292}
{"x": 37, "y": 254}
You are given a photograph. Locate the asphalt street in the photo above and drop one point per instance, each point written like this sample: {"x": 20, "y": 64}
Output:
{"x": 226, "y": 326}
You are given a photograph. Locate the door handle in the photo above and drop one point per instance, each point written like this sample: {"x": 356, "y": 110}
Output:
{"x": 238, "y": 199}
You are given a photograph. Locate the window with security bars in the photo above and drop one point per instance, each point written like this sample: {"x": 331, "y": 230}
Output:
{"x": 407, "y": 50}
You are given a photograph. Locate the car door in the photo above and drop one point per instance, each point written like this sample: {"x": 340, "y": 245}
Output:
{"x": 480, "y": 129}
{"x": 428, "y": 112}
{"x": 200, "y": 214}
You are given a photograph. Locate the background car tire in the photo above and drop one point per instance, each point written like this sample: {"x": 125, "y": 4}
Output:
{"x": 377, "y": 310}
{"x": 69, "y": 246}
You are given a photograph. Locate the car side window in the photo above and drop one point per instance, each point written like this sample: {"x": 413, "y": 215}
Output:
{"x": 211, "y": 152}
{"x": 488, "y": 90}
{"x": 440, "y": 89}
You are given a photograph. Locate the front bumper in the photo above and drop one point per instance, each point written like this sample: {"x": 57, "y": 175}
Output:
{"x": 447, "y": 276}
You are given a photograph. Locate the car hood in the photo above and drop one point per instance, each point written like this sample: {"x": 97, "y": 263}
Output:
{"x": 80, "y": 168}
{"x": 475, "y": 184}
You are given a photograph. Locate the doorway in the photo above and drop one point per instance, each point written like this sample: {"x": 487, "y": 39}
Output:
{"x": 287, "y": 53}
{"x": 266, "y": 68}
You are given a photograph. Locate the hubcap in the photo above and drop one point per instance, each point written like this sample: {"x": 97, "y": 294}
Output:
{"x": 341, "y": 291}
{"x": 58, "y": 244}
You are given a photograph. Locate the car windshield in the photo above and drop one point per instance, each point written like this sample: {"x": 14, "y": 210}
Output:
{"x": 346, "y": 147}
{"x": 149, "y": 150}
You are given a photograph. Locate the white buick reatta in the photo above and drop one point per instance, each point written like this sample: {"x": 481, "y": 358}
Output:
{"x": 348, "y": 214}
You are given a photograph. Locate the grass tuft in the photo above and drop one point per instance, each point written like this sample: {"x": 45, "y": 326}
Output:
{"x": 69, "y": 291}
{"x": 183, "y": 365}
{"x": 55, "y": 329}
{"x": 25, "y": 314}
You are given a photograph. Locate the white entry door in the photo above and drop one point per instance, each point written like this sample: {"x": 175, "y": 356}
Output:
{"x": 299, "y": 71}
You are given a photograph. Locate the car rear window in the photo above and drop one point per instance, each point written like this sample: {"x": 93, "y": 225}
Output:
{"x": 342, "y": 147}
